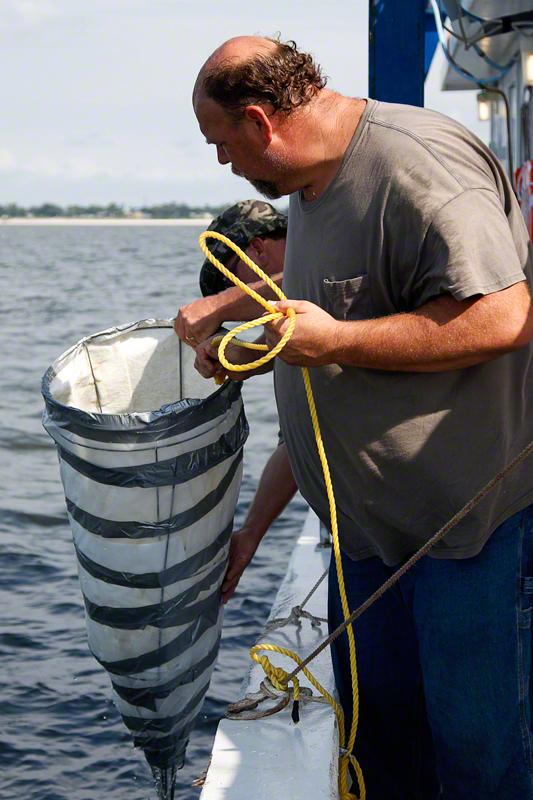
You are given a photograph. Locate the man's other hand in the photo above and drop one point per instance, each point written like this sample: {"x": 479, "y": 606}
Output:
{"x": 242, "y": 548}
{"x": 209, "y": 366}
{"x": 198, "y": 320}
{"x": 206, "y": 361}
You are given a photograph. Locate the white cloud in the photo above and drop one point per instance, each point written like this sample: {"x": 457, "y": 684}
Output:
{"x": 8, "y": 161}
{"x": 27, "y": 13}
{"x": 69, "y": 164}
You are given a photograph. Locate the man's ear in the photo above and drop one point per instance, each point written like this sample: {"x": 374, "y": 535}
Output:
{"x": 260, "y": 122}
{"x": 257, "y": 251}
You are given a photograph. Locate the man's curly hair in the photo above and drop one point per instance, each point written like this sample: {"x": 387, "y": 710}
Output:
{"x": 284, "y": 78}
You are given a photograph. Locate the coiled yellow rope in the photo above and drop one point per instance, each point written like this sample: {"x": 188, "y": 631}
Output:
{"x": 277, "y": 675}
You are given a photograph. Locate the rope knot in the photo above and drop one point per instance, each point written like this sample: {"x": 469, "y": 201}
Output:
{"x": 276, "y": 675}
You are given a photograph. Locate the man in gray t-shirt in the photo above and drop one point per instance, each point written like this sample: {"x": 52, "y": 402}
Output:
{"x": 407, "y": 264}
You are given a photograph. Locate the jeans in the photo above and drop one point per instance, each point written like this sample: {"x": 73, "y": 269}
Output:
{"x": 444, "y": 670}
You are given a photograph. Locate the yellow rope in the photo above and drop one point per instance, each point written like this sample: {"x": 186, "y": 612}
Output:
{"x": 277, "y": 675}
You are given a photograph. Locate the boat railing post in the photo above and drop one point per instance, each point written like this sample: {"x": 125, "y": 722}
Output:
{"x": 324, "y": 536}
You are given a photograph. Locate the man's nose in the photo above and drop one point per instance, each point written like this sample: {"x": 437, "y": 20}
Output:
{"x": 222, "y": 155}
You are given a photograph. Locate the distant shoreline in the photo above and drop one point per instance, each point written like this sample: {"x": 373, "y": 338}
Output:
{"x": 69, "y": 221}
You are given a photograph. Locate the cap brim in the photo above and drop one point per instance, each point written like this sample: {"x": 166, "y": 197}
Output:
{"x": 211, "y": 280}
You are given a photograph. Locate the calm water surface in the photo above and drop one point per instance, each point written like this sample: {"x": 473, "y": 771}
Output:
{"x": 61, "y": 737}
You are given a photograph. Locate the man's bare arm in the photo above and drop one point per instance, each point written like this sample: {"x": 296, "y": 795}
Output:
{"x": 443, "y": 334}
{"x": 199, "y": 319}
{"x": 276, "y": 487}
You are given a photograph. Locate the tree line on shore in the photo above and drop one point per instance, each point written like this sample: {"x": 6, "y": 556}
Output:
{"x": 113, "y": 211}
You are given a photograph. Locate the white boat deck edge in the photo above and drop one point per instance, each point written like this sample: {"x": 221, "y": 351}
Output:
{"x": 272, "y": 757}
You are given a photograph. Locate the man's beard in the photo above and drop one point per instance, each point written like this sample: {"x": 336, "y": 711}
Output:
{"x": 267, "y": 188}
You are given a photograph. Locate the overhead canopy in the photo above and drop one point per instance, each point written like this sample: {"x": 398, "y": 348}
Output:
{"x": 500, "y": 48}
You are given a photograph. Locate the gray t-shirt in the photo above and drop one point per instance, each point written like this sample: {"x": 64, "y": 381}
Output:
{"x": 418, "y": 208}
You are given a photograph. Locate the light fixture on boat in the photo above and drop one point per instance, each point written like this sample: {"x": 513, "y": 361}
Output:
{"x": 527, "y": 67}
{"x": 484, "y": 105}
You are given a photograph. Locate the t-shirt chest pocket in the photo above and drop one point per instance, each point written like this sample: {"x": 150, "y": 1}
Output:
{"x": 349, "y": 299}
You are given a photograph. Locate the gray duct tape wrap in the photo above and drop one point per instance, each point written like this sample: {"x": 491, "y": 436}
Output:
{"x": 151, "y": 462}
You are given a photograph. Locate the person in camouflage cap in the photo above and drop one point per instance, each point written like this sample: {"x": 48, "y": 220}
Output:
{"x": 258, "y": 229}
{"x": 241, "y": 223}
{"x": 250, "y": 224}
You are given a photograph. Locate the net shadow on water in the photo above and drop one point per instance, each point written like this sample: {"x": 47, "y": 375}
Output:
{"x": 62, "y": 738}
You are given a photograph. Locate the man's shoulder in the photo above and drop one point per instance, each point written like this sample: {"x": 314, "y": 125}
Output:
{"x": 411, "y": 138}
{"x": 423, "y": 125}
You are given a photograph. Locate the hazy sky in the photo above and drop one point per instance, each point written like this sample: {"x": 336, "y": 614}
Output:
{"x": 95, "y": 94}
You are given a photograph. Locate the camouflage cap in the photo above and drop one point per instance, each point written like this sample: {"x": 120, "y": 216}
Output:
{"x": 240, "y": 223}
